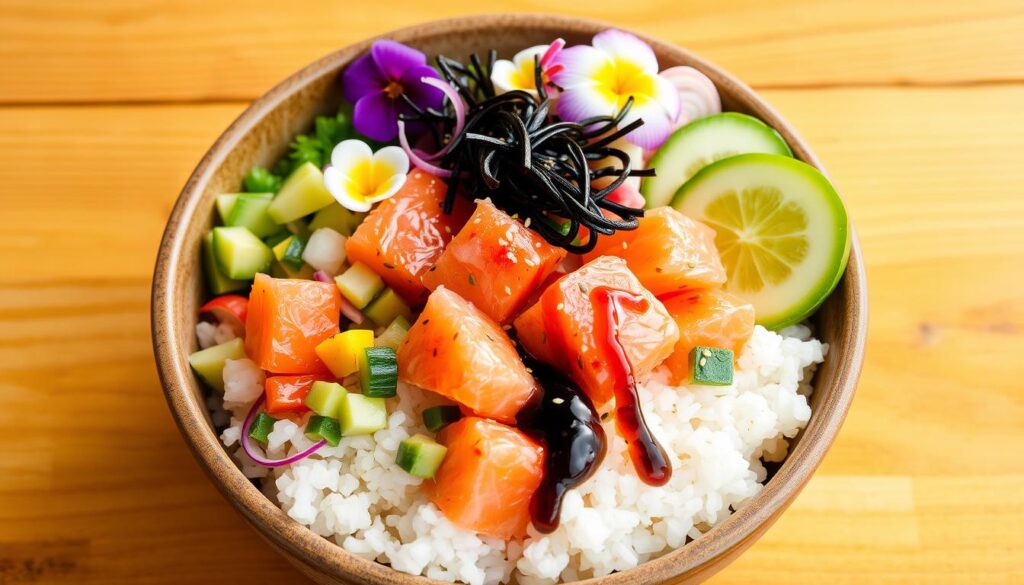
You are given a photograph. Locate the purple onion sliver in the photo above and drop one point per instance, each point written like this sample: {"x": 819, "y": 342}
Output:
{"x": 460, "y": 112}
{"x": 416, "y": 158}
{"x": 250, "y": 451}
{"x": 351, "y": 312}
{"x": 321, "y": 276}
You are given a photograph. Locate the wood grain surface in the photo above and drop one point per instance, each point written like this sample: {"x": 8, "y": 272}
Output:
{"x": 916, "y": 108}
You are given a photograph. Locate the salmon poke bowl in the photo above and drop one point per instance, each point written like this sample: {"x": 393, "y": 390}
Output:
{"x": 509, "y": 300}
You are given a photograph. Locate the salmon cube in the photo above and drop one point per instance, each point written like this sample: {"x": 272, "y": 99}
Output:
{"x": 287, "y": 319}
{"x": 709, "y": 318}
{"x": 494, "y": 262}
{"x": 559, "y": 329}
{"x": 405, "y": 235}
{"x": 457, "y": 351}
{"x": 488, "y": 477}
{"x": 287, "y": 394}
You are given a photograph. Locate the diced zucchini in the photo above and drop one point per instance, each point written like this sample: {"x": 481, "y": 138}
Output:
{"x": 362, "y": 415}
{"x": 323, "y": 428}
{"x": 325, "y": 398}
{"x": 387, "y": 307}
{"x": 436, "y": 418}
{"x": 276, "y": 239}
{"x": 261, "y": 427}
{"x": 250, "y": 211}
{"x": 302, "y": 193}
{"x": 215, "y": 279}
{"x": 240, "y": 254}
{"x": 341, "y": 352}
{"x": 378, "y": 372}
{"x": 224, "y": 203}
{"x": 711, "y": 366}
{"x": 359, "y": 284}
{"x": 394, "y": 335}
{"x": 420, "y": 455}
{"x": 337, "y": 218}
{"x": 288, "y": 253}
{"x": 209, "y": 363}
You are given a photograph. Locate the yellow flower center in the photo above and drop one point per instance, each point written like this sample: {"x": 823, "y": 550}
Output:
{"x": 393, "y": 90}
{"x": 523, "y": 76}
{"x": 618, "y": 80}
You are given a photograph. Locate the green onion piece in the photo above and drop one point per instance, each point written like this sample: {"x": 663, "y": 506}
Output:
{"x": 323, "y": 427}
{"x": 261, "y": 427}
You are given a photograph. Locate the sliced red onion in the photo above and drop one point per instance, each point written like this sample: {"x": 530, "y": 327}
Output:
{"x": 460, "y": 111}
{"x": 351, "y": 312}
{"x": 251, "y": 451}
{"x": 321, "y": 276}
{"x": 553, "y": 49}
{"x": 416, "y": 158}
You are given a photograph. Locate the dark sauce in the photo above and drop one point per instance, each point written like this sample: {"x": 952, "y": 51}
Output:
{"x": 565, "y": 420}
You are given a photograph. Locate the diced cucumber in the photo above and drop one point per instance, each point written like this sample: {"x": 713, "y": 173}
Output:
{"x": 387, "y": 307}
{"x": 702, "y": 142}
{"x": 362, "y": 415}
{"x": 323, "y": 428}
{"x": 378, "y": 372}
{"x": 436, "y": 418}
{"x": 209, "y": 363}
{"x": 337, "y": 218}
{"x": 359, "y": 284}
{"x": 394, "y": 335}
{"x": 420, "y": 455}
{"x": 289, "y": 251}
{"x": 261, "y": 427}
{"x": 276, "y": 239}
{"x": 302, "y": 193}
{"x": 341, "y": 352}
{"x": 240, "y": 254}
{"x": 215, "y": 279}
{"x": 250, "y": 211}
{"x": 225, "y": 202}
{"x": 325, "y": 398}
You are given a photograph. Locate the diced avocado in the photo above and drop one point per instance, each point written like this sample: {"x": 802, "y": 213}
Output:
{"x": 302, "y": 193}
{"x": 250, "y": 211}
{"x": 337, "y": 218}
{"x": 239, "y": 253}
{"x": 420, "y": 455}
{"x": 215, "y": 279}
{"x": 224, "y": 203}
{"x": 325, "y": 398}
{"x": 378, "y": 372}
{"x": 209, "y": 363}
{"x": 387, "y": 307}
{"x": 362, "y": 415}
{"x": 341, "y": 352}
{"x": 359, "y": 284}
{"x": 261, "y": 427}
{"x": 711, "y": 366}
{"x": 436, "y": 418}
{"x": 394, "y": 335}
{"x": 323, "y": 428}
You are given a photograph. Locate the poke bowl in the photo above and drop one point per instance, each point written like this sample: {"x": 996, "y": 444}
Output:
{"x": 513, "y": 298}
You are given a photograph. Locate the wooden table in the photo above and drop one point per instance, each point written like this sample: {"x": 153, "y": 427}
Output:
{"x": 105, "y": 106}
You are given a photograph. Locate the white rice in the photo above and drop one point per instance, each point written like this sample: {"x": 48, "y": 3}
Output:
{"x": 717, "y": 437}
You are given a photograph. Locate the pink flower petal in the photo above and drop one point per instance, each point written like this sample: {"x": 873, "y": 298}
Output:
{"x": 582, "y": 102}
{"x": 626, "y": 47}
{"x": 656, "y": 128}
{"x": 581, "y": 65}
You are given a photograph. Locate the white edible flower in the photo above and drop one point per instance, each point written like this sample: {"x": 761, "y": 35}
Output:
{"x": 519, "y": 73}
{"x": 358, "y": 177}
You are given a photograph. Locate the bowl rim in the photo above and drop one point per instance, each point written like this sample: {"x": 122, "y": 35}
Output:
{"x": 317, "y": 555}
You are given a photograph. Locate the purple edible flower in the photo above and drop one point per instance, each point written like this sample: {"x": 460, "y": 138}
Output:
{"x": 379, "y": 82}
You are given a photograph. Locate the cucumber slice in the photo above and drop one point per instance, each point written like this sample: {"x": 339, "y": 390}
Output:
{"x": 359, "y": 284}
{"x": 420, "y": 455}
{"x": 302, "y": 193}
{"x": 215, "y": 279}
{"x": 224, "y": 203}
{"x": 325, "y": 398}
{"x": 701, "y": 143}
{"x": 436, "y": 418}
{"x": 209, "y": 363}
{"x": 387, "y": 307}
{"x": 261, "y": 427}
{"x": 250, "y": 211}
{"x": 378, "y": 372}
{"x": 362, "y": 415}
{"x": 394, "y": 335}
{"x": 782, "y": 232}
{"x": 323, "y": 428}
{"x": 337, "y": 218}
{"x": 239, "y": 253}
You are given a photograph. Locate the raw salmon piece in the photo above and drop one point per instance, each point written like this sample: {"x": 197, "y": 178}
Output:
{"x": 569, "y": 342}
{"x": 709, "y": 317}
{"x": 667, "y": 252}
{"x": 288, "y": 393}
{"x": 487, "y": 477}
{"x": 494, "y": 262}
{"x": 287, "y": 319}
{"x": 455, "y": 350}
{"x": 405, "y": 235}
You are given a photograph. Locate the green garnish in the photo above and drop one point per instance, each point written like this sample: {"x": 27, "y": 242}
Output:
{"x": 261, "y": 427}
{"x": 325, "y": 428}
{"x": 420, "y": 456}
{"x": 711, "y": 366}
{"x": 261, "y": 180}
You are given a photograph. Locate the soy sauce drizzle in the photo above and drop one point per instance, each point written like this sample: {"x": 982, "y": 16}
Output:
{"x": 649, "y": 458}
{"x": 563, "y": 417}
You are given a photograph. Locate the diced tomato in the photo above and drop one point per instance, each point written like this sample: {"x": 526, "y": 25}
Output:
{"x": 405, "y": 235}
{"x": 455, "y": 350}
{"x": 487, "y": 477}
{"x": 559, "y": 329}
{"x": 227, "y": 309}
{"x": 287, "y": 319}
{"x": 288, "y": 393}
{"x": 494, "y": 262}
{"x": 709, "y": 317}
{"x": 667, "y": 252}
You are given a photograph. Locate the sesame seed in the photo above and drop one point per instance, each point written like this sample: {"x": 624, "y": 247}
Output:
{"x": 448, "y": 229}
{"x": 557, "y": 401}
{"x": 502, "y": 242}
{"x": 508, "y": 290}
{"x": 625, "y": 245}
{"x": 561, "y": 306}
{"x": 703, "y": 361}
{"x": 536, "y": 244}
{"x": 527, "y": 222}
{"x": 707, "y": 353}
{"x": 529, "y": 262}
